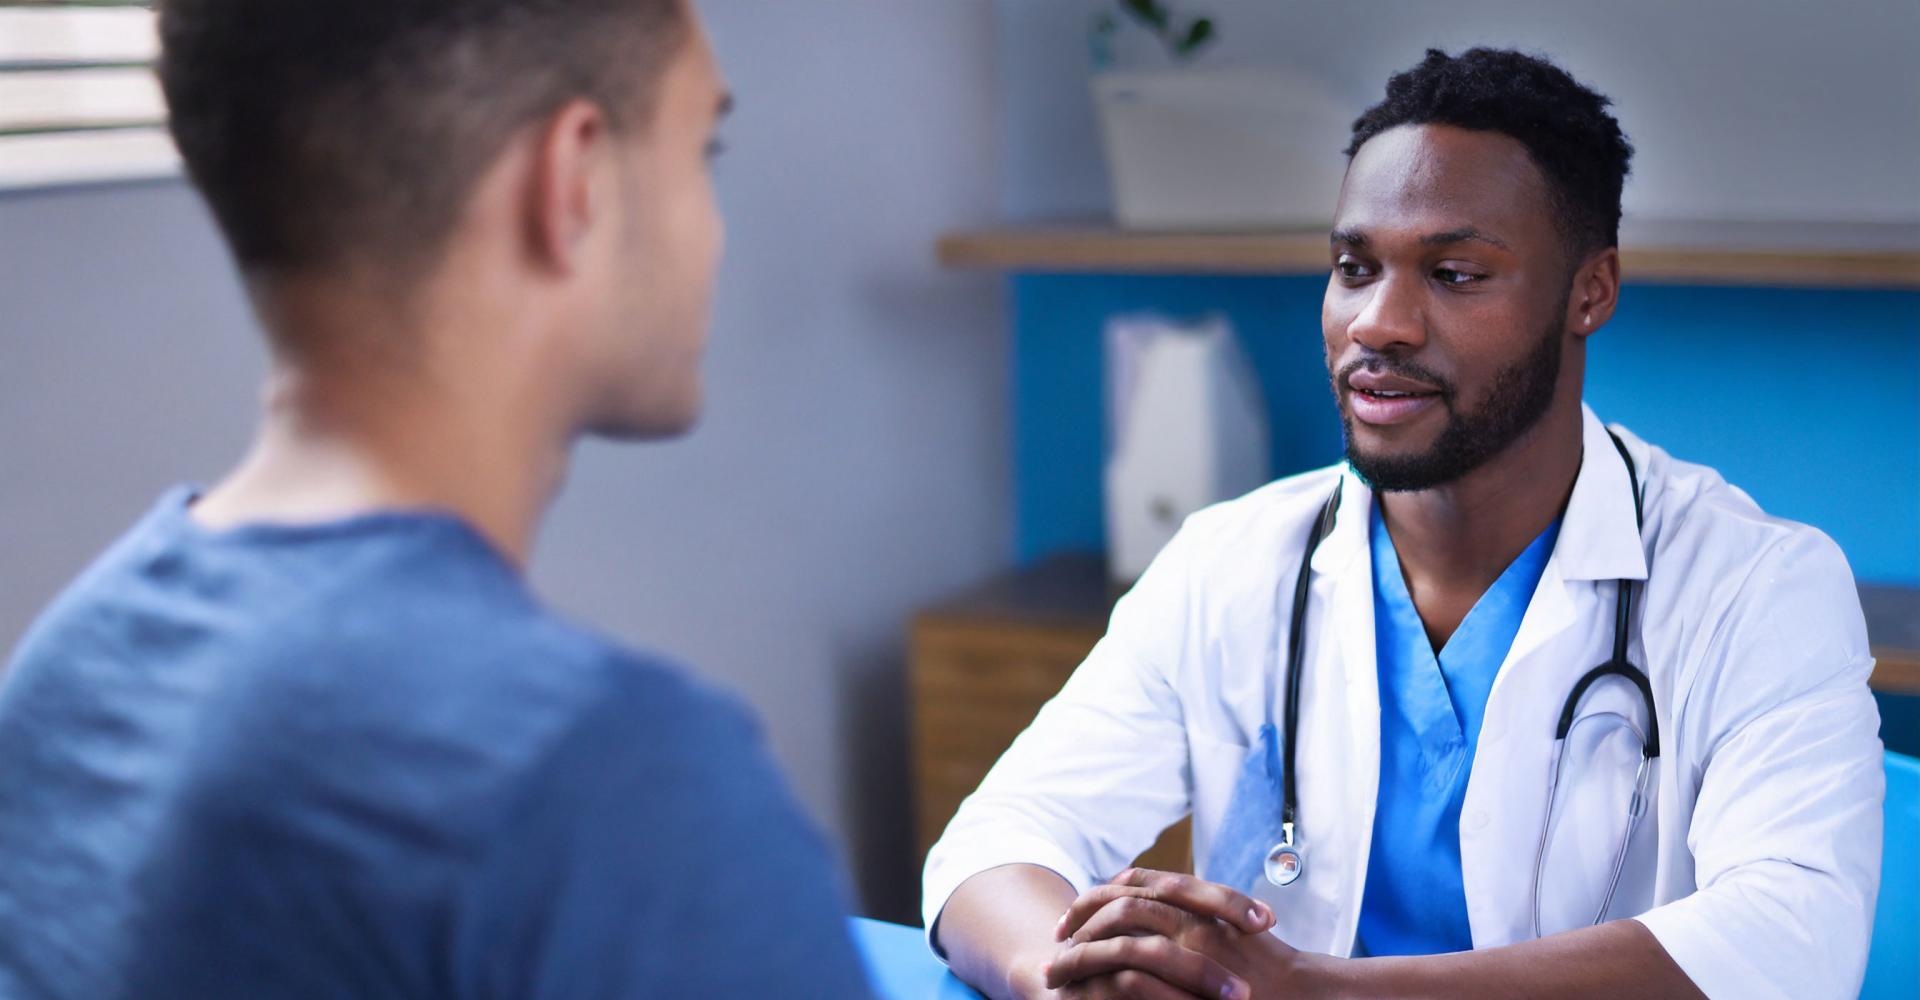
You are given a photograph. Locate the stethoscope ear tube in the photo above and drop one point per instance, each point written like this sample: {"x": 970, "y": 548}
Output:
{"x": 1636, "y": 808}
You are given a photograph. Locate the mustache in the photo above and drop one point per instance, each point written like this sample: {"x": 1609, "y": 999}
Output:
{"x": 1380, "y": 365}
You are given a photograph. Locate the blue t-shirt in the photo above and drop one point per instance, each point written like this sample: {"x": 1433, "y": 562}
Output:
{"x": 1431, "y": 706}
{"x": 357, "y": 759}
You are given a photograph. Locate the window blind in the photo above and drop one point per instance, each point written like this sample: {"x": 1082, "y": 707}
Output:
{"x": 78, "y": 100}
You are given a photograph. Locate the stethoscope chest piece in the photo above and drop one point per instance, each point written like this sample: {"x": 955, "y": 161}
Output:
{"x": 1284, "y": 863}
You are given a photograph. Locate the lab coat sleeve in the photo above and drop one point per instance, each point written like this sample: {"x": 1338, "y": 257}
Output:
{"x": 1102, "y": 770}
{"x": 1782, "y": 733}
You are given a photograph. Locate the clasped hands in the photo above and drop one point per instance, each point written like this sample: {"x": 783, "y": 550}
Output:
{"x": 1162, "y": 936}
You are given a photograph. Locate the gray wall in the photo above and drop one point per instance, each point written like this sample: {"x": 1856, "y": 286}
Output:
{"x": 1739, "y": 109}
{"x": 853, "y": 464}
{"x": 128, "y": 362}
{"x": 854, "y": 461}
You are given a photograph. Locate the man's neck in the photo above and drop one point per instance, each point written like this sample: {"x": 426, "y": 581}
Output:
{"x": 1454, "y": 541}
{"x": 354, "y": 433}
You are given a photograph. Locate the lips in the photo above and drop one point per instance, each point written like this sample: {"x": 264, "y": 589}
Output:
{"x": 1382, "y": 398}
{"x": 1387, "y": 383}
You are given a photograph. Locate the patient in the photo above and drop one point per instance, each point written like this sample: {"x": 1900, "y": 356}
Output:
{"x": 307, "y": 733}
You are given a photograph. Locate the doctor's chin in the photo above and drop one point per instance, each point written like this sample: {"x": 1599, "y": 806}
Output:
{"x": 1084, "y": 500}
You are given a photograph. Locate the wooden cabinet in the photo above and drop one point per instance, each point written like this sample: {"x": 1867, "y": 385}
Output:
{"x": 981, "y": 667}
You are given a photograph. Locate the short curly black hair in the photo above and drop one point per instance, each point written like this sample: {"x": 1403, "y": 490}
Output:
{"x": 1564, "y": 125}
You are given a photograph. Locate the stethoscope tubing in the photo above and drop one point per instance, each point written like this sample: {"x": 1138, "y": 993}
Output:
{"x": 1634, "y": 810}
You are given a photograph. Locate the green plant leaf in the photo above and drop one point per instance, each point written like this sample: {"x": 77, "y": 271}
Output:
{"x": 1148, "y": 12}
{"x": 1198, "y": 34}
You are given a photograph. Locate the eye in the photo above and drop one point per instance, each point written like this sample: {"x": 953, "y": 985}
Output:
{"x": 1347, "y": 267}
{"x": 715, "y": 147}
{"x": 1451, "y": 276}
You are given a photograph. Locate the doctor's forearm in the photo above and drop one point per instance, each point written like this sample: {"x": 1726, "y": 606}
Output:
{"x": 1616, "y": 959}
{"x": 997, "y": 928}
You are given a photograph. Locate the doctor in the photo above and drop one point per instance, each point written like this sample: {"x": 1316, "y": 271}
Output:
{"x": 1511, "y": 702}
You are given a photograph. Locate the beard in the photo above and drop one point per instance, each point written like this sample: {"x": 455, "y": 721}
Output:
{"x": 1521, "y": 393}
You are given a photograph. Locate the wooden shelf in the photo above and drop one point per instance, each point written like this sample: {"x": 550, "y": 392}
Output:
{"x": 1854, "y": 256}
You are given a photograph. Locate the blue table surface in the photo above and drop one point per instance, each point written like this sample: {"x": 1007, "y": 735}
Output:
{"x": 902, "y": 966}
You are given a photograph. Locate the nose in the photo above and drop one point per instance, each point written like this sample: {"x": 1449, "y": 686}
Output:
{"x": 1390, "y": 319}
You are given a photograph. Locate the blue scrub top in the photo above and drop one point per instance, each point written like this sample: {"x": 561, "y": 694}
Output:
{"x": 1431, "y": 707}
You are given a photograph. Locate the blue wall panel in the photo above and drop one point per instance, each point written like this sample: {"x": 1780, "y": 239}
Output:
{"x": 1060, "y": 430}
{"x": 1807, "y": 399}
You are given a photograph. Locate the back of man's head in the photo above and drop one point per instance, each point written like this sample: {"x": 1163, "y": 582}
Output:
{"x": 327, "y": 131}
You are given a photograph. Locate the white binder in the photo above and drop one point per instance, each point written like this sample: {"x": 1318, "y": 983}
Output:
{"x": 1188, "y": 428}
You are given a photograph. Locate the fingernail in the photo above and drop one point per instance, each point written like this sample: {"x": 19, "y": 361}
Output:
{"x": 1230, "y": 990}
{"x": 1257, "y": 915}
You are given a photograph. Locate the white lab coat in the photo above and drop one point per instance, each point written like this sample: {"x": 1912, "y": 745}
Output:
{"x": 1757, "y": 863}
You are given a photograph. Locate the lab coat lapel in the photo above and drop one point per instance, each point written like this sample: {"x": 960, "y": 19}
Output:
{"x": 1344, "y": 585}
{"x": 1548, "y": 614}
{"x": 1599, "y": 540}
{"x": 1600, "y": 537}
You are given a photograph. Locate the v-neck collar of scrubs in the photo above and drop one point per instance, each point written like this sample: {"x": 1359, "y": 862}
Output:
{"x": 1460, "y": 675}
{"x": 1431, "y": 707}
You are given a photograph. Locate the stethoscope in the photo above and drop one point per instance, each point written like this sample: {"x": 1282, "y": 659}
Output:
{"x": 1285, "y": 861}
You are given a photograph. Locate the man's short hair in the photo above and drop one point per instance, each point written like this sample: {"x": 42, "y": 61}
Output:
{"x": 322, "y": 131}
{"x": 1577, "y": 146}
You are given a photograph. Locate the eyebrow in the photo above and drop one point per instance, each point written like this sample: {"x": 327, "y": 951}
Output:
{"x": 1463, "y": 234}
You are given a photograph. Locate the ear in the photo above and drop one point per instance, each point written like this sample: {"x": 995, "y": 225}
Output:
{"x": 567, "y": 194}
{"x": 1596, "y": 290}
